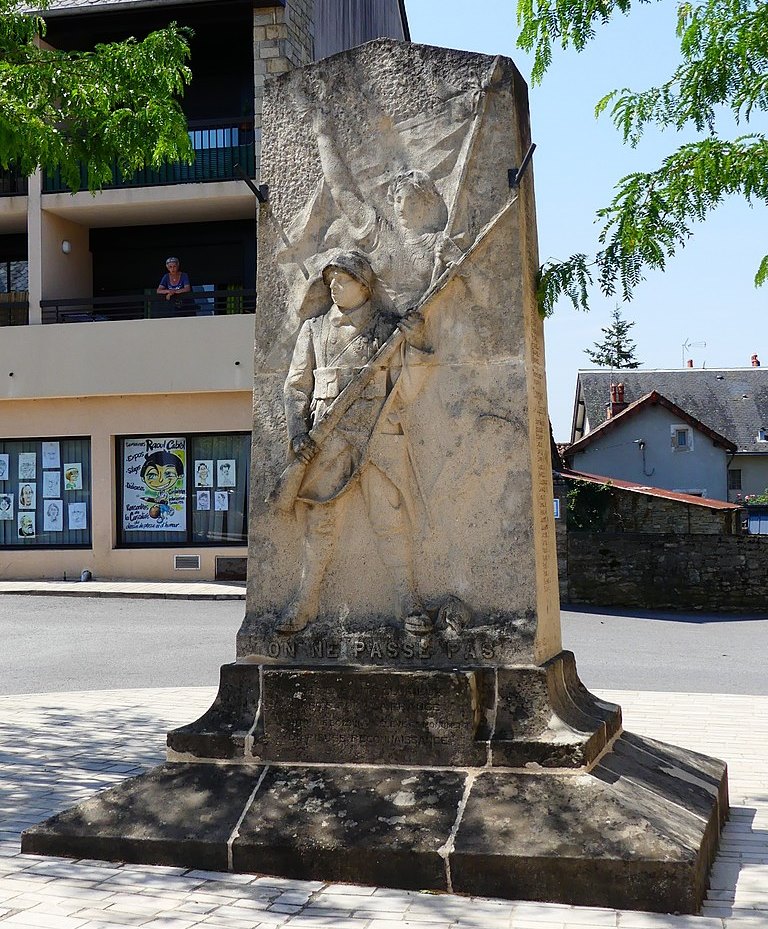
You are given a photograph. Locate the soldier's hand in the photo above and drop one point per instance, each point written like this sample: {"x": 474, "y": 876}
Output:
{"x": 412, "y": 327}
{"x": 304, "y": 447}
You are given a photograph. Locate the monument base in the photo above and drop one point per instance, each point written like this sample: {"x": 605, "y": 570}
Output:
{"x": 638, "y": 831}
{"x": 525, "y": 716}
{"x": 510, "y": 782}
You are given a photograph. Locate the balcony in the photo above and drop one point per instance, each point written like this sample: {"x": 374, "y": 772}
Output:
{"x": 219, "y": 145}
{"x": 203, "y": 301}
{"x": 12, "y": 184}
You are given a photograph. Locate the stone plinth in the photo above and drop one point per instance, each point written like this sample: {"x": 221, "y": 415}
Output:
{"x": 536, "y": 717}
{"x": 639, "y": 830}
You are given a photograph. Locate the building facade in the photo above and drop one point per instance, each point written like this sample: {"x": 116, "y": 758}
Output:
{"x": 654, "y": 443}
{"x": 731, "y": 402}
{"x": 125, "y": 420}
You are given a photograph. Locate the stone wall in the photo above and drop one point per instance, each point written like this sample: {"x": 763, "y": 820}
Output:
{"x": 634, "y": 511}
{"x": 654, "y": 552}
{"x": 667, "y": 571}
{"x": 282, "y": 39}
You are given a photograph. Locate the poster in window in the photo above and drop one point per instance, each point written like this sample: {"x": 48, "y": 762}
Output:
{"x": 27, "y": 496}
{"x": 203, "y": 500}
{"x": 51, "y": 455}
{"x": 225, "y": 472}
{"x": 221, "y": 501}
{"x": 53, "y": 516}
{"x": 51, "y": 484}
{"x": 26, "y": 525}
{"x": 73, "y": 476}
{"x": 4, "y": 467}
{"x": 27, "y": 466}
{"x": 204, "y": 473}
{"x": 77, "y": 515}
{"x": 154, "y": 485}
{"x": 6, "y": 506}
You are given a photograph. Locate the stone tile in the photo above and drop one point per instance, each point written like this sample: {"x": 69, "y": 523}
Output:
{"x": 31, "y": 781}
{"x": 348, "y": 890}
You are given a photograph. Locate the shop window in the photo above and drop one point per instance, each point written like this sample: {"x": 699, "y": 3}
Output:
{"x": 45, "y": 493}
{"x": 183, "y": 490}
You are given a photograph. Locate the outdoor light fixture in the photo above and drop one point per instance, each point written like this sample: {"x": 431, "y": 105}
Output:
{"x": 66, "y": 246}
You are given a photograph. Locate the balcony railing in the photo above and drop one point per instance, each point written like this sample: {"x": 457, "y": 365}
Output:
{"x": 14, "y": 313}
{"x": 218, "y": 144}
{"x": 12, "y": 183}
{"x": 203, "y": 301}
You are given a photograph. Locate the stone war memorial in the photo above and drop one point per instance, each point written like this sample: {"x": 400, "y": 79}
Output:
{"x": 401, "y": 711}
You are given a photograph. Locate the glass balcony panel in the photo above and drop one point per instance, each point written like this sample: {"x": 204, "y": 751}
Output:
{"x": 12, "y": 183}
{"x": 204, "y": 300}
{"x": 218, "y": 147}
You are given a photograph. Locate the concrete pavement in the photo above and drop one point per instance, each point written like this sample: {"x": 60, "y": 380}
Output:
{"x": 162, "y": 590}
{"x": 56, "y": 749}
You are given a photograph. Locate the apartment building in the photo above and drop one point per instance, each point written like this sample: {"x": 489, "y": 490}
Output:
{"x": 125, "y": 418}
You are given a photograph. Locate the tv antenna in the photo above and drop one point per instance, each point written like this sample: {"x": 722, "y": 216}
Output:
{"x": 688, "y": 344}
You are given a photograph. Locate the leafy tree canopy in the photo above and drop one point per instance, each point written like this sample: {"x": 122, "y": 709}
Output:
{"x": 115, "y": 103}
{"x": 723, "y": 64}
{"x": 616, "y": 350}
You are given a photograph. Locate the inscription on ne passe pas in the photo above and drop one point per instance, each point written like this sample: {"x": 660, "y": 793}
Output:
{"x": 371, "y": 650}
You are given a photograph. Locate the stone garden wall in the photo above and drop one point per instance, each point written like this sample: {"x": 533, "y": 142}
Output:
{"x": 641, "y": 550}
{"x": 665, "y": 571}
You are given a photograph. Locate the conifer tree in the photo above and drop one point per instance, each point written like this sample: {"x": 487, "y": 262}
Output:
{"x": 616, "y": 350}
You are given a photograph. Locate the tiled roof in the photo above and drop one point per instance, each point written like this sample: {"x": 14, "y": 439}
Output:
{"x": 731, "y": 401}
{"x": 654, "y": 398}
{"x": 707, "y": 502}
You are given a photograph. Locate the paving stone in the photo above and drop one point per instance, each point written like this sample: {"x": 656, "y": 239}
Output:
{"x": 728, "y": 724}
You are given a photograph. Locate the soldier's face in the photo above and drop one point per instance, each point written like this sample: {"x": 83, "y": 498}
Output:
{"x": 347, "y": 292}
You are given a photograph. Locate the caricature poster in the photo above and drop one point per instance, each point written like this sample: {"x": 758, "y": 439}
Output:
{"x": 26, "y": 525}
{"x": 154, "y": 485}
{"x": 53, "y": 516}
{"x": 27, "y": 466}
{"x": 73, "y": 476}
{"x": 51, "y": 484}
{"x": 6, "y": 506}
{"x": 77, "y": 515}
{"x": 51, "y": 454}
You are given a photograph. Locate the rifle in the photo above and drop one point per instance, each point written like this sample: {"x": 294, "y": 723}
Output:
{"x": 286, "y": 489}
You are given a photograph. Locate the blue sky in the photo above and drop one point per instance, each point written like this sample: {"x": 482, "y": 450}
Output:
{"x": 707, "y": 293}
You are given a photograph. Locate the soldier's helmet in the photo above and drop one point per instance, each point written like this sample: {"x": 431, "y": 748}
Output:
{"x": 353, "y": 264}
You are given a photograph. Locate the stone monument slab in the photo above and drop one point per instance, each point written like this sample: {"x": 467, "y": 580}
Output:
{"x": 401, "y": 711}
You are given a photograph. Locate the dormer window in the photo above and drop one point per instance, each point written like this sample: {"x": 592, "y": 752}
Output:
{"x": 681, "y": 438}
{"x": 762, "y": 435}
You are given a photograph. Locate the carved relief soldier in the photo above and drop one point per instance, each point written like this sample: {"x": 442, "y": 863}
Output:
{"x": 370, "y": 444}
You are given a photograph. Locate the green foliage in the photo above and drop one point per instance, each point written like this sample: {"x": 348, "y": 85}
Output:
{"x": 762, "y": 498}
{"x": 723, "y": 64}
{"x": 116, "y": 103}
{"x": 616, "y": 350}
{"x": 588, "y": 505}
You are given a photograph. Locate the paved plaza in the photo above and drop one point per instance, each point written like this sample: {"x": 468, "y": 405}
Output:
{"x": 57, "y": 749}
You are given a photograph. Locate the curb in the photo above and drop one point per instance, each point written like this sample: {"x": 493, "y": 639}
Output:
{"x": 123, "y": 594}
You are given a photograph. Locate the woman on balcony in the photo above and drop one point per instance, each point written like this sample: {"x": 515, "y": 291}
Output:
{"x": 174, "y": 283}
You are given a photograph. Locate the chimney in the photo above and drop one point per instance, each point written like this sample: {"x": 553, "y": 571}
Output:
{"x": 617, "y": 403}
{"x": 755, "y": 361}
{"x": 689, "y": 363}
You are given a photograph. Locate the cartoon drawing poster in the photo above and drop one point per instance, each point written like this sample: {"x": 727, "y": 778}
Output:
{"x": 154, "y": 485}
